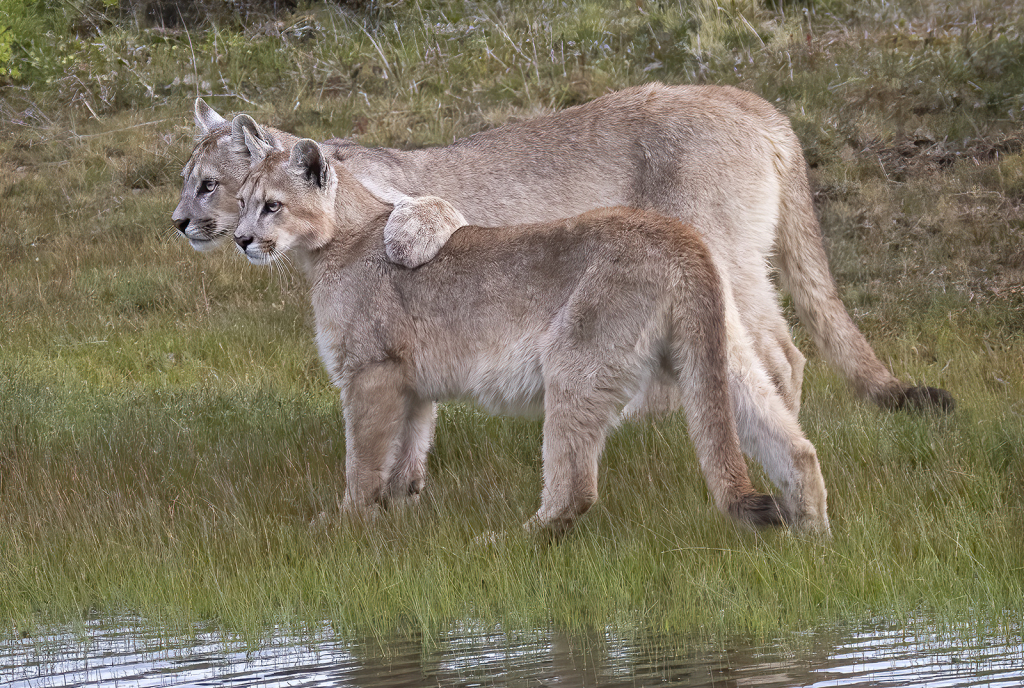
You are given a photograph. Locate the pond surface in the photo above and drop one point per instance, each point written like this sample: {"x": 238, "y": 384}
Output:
{"x": 875, "y": 656}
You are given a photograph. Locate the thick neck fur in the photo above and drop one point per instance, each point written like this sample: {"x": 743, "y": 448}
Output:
{"x": 349, "y": 227}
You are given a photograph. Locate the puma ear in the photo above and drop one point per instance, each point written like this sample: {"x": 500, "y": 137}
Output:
{"x": 247, "y": 137}
{"x": 207, "y": 118}
{"x": 257, "y": 147}
{"x": 309, "y": 162}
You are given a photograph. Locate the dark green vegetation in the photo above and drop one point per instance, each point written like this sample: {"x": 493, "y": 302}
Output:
{"x": 167, "y": 434}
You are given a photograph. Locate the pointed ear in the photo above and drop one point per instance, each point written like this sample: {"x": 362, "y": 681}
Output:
{"x": 244, "y": 129}
{"x": 309, "y": 161}
{"x": 206, "y": 118}
{"x": 257, "y": 147}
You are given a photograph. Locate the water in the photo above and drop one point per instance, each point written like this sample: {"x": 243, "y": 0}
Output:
{"x": 876, "y": 656}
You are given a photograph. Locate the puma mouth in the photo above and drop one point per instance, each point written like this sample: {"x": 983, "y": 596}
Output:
{"x": 201, "y": 244}
{"x": 202, "y": 232}
{"x": 258, "y": 255}
{"x": 258, "y": 259}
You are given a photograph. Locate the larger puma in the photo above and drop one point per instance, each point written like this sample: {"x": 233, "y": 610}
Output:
{"x": 720, "y": 159}
{"x": 573, "y": 316}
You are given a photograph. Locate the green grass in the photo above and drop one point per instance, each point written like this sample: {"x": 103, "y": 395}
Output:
{"x": 196, "y": 504}
{"x": 168, "y": 439}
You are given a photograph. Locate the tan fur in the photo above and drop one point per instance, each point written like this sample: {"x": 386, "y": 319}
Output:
{"x": 573, "y": 317}
{"x": 720, "y": 159}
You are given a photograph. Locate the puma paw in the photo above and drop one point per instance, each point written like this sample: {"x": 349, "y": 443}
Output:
{"x": 418, "y": 228}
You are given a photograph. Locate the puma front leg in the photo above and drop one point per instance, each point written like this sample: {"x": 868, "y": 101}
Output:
{"x": 417, "y": 229}
{"x": 377, "y": 419}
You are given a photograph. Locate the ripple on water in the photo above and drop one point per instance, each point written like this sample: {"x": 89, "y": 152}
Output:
{"x": 470, "y": 655}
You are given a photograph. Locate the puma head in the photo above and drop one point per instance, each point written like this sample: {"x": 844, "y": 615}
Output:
{"x": 284, "y": 201}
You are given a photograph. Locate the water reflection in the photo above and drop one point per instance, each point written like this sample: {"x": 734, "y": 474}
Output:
{"x": 471, "y": 656}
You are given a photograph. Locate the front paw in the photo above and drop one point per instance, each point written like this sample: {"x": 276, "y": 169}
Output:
{"x": 418, "y": 228}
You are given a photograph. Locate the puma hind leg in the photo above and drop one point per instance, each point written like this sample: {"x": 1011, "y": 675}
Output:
{"x": 770, "y": 432}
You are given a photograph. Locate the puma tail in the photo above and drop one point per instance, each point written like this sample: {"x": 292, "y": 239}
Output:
{"x": 805, "y": 275}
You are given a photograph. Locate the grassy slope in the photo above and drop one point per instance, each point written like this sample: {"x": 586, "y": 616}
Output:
{"x": 167, "y": 434}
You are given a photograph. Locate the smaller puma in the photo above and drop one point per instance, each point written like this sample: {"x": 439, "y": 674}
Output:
{"x": 572, "y": 318}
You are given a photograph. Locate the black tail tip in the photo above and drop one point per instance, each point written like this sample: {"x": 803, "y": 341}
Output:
{"x": 921, "y": 398}
{"x": 758, "y": 511}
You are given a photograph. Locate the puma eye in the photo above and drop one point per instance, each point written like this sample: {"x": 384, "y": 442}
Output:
{"x": 241, "y": 204}
{"x": 207, "y": 185}
{"x": 272, "y": 206}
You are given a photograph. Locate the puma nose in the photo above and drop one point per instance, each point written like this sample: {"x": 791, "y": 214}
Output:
{"x": 181, "y": 224}
{"x": 243, "y": 241}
